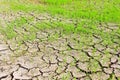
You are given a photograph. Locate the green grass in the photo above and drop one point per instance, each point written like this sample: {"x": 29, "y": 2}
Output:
{"x": 91, "y": 13}
{"x": 100, "y": 10}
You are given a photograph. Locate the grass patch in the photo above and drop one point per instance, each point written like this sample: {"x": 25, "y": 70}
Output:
{"x": 91, "y": 13}
{"x": 105, "y": 11}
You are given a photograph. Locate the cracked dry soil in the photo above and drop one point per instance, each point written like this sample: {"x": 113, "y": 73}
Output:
{"x": 61, "y": 59}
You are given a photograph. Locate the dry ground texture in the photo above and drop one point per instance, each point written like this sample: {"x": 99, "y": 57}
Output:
{"x": 54, "y": 45}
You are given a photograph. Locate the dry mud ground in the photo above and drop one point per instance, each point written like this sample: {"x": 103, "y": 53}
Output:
{"x": 63, "y": 58}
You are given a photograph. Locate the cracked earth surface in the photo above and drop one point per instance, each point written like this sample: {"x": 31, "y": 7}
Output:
{"x": 67, "y": 57}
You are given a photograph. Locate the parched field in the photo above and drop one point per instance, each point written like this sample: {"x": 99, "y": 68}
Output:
{"x": 59, "y": 40}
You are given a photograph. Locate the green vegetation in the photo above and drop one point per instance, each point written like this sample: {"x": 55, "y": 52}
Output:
{"x": 96, "y": 10}
{"x": 90, "y": 14}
